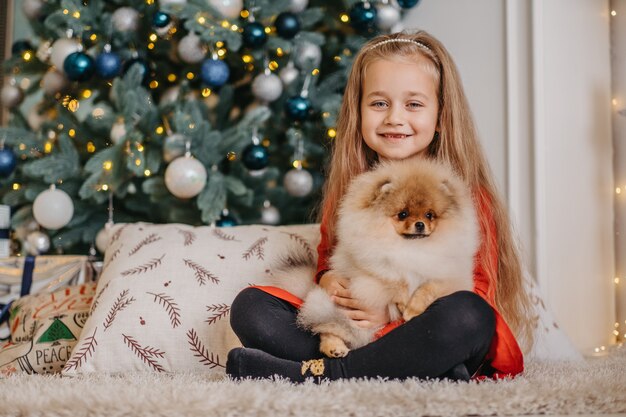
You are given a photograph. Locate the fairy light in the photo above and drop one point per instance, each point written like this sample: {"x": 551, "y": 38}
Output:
{"x": 140, "y": 147}
{"x": 266, "y": 142}
{"x": 107, "y": 165}
{"x": 65, "y": 11}
{"x": 138, "y": 162}
{"x": 97, "y": 112}
{"x": 159, "y": 130}
{"x": 618, "y": 190}
{"x": 315, "y": 71}
{"x": 613, "y": 13}
{"x": 71, "y": 132}
{"x": 244, "y": 14}
{"x": 86, "y": 93}
{"x": 219, "y": 44}
{"x": 326, "y": 114}
{"x": 27, "y": 55}
{"x": 154, "y": 84}
{"x": 337, "y": 58}
{"x": 331, "y": 132}
{"x": 105, "y": 187}
{"x": 273, "y": 65}
{"x": 247, "y": 58}
{"x": 225, "y": 24}
{"x": 280, "y": 52}
{"x": 149, "y": 2}
{"x": 206, "y": 92}
{"x": 147, "y": 173}
{"x": 231, "y": 156}
{"x": 171, "y": 78}
{"x": 153, "y": 37}
{"x": 221, "y": 52}
{"x": 91, "y": 148}
{"x": 150, "y": 46}
{"x": 22, "y": 147}
{"x": 76, "y": 15}
{"x": 297, "y": 164}
{"x": 47, "y": 147}
{"x": 16, "y": 186}
{"x": 190, "y": 75}
{"x": 344, "y": 18}
{"x": 268, "y": 30}
{"x": 616, "y": 280}
{"x": 93, "y": 37}
{"x": 234, "y": 28}
{"x": 202, "y": 20}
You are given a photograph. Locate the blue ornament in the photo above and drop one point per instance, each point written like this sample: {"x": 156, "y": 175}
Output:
{"x": 363, "y": 16}
{"x": 255, "y": 157}
{"x": 144, "y": 68}
{"x": 226, "y": 220}
{"x": 79, "y": 66}
{"x": 8, "y": 161}
{"x": 254, "y": 35}
{"x": 108, "y": 65}
{"x": 214, "y": 72}
{"x": 160, "y": 20}
{"x": 20, "y": 46}
{"x": 287, "y": 25}
{"x": 298, "y": 108}
{"x": 407, "y": 4}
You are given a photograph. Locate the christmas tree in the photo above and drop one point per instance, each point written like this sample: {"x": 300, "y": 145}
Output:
{"x": 193, "y": 111}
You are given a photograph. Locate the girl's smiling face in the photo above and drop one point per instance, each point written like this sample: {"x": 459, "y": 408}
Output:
{"x": 399, "y": 108}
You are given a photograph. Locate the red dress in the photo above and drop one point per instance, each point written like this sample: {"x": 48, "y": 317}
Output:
{"x": 505, "y": 356}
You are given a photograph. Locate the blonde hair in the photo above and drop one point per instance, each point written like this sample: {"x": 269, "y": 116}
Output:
{"x": 457, "y": 143}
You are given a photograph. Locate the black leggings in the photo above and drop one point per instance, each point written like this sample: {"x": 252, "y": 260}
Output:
{"x": 454, "y": 330}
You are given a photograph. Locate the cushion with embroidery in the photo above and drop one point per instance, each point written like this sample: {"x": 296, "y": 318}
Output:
{"x": 163, "y": 298}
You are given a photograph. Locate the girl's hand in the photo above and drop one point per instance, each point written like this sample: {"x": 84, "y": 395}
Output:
{"x": 336, "y": 287}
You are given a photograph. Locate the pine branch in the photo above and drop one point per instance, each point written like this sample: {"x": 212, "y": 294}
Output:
{"x": 189, "y": 236}
{"x": 120, "y": 304}
{"x": 170, "y": 306}
{"x": 112, "y": 257}
{"x": 207, "y": 358}
{"x": 146, "y": 354}
{"x": 304, "y": 243}
{"x": 95, "y": 302}
{"x": 117, "y": 234}
{"x": 256, "y": 248}
{"x": 145, "y": 267}
{"x": 150, "y": 239}
{"x": 87, "y": 348}
{"x": 201, "y": 273}
{"x": 220, "y": 310}
{"x": 223, "y": 236}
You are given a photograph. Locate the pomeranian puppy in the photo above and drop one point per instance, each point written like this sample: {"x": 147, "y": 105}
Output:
{"x": 407, "y": 234}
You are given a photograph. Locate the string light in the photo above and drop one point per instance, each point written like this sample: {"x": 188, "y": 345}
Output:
{"x": 244, "y": 14}
{"x": 147, "y": 173}
{"x": 273, "y": 65}
{"x": 159, "y": 130}
{"x": 331, "y": 132}
{"x": 86, "y": 93}
{"x": 91, "y": 148}
{"x": 105, "y": 187}
{"x": 206, "y": 92}
{"x": 153, "y": 37}
{"x": 16, "y": 186}
{"x": 190, "y": 75}
{"x": 344, "y": 18}
{"x": 71, "y": 132}
{"x": 613, "y": 13}
{"x": 171, "y": 78}
{"x": 107, "y": 165}
{"x": 616, "y": 280}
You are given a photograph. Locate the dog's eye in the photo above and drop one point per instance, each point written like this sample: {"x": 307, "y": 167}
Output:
{"x": 430, "y": 215}
{"x": 403, "y": 215}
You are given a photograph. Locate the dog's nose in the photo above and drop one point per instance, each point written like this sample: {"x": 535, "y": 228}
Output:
{"x": 419, "y": 226}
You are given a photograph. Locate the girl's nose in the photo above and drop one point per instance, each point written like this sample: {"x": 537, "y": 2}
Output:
{"x": 393, "y": 116}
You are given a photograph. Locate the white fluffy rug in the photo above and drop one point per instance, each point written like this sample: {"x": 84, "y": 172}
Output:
{"x": 596, "y": 386}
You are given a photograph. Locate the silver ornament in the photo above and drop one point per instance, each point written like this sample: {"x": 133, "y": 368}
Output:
{"x": 61, "y": 48}
{"x": 37, "y": 243}
{"x": 11, "y": 96}
{"x": 185, "y": 177}
{"x": 296, "y": 6}
{"x": 53, "y": 82}
{"x": 32, "y": 8}
{"x": 230, "y": 9}
{"x": 190, "y": 49}
{"x": 307, "y": 55}
{"x": 125, "y": 19}
{"x": 174, "y": 146}
{"x": 387, "y": 16}
{"x": 270, "y": 214}
{"x": 267, "y": 87}
{"x": 289, "y": 73}
{"x": 298, "y": 182}
{"x": 118, "y": 130}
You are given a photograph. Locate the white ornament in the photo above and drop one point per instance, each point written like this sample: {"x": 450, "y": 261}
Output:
{"x": 53, "y": 82}
{"x": 125, "y": 19}
{"x": 104, "y": 237}
{"x": 387, "y": 16}
{"x": 61, "y": 48}
{"x": 230, "y": 9}
{"x": 174, "y": 146}
{"x": 298, "y": 182}
{"x": 44, "y": 50}
{"x": 270, "y": 214}
{"x": 307, "y": 55}
{"x": 11, "y": 96}
{"x": 118, "y": 131}
{"x": 185, "y": 177}
{"x": 190, "y": 49}
{"x": 32, "y": 8}
{"x": 37, "y": 242}
{"x": 296, "y": 6}
{"x": 289, "y": 73}
{"x": 267, "y": 87}
{"x": 53, "y": 208}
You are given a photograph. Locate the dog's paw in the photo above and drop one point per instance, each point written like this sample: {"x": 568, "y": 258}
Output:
{"x": 409, "y": 313}
{"x": 333, "y": 347}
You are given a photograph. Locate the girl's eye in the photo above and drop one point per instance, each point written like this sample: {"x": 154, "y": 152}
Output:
{"x": 414, "y": 105}
{"x": 379, "y": 104}
{"x": 403, "y": 215}
{"x": 430, "y": 215}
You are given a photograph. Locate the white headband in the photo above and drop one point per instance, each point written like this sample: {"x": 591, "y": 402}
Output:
{"x": 419, "y": 44}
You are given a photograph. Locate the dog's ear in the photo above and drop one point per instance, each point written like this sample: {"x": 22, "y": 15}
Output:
{"x": 382, "y": 189}
{"x": 448, "y": 188}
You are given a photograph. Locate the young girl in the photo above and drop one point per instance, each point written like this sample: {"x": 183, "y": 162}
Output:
{"x": 403, "y": 98}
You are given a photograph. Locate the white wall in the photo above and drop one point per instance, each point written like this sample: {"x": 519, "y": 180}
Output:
{"x": 537, "y": 74}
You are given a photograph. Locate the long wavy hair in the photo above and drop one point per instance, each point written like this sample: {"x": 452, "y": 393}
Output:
{"x": 456, "y": 143}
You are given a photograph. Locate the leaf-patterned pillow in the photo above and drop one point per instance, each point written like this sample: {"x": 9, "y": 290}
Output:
{"x": 163, "y": 299}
